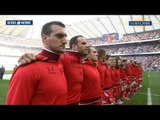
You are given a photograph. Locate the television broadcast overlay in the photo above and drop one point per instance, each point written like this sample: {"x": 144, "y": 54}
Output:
{"x": 140, "y": 23}
{"x": 19, "y": 22}
{"x": 116, "y": 59}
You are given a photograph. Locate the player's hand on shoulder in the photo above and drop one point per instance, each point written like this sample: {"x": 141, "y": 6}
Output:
{"x": 26, "y": 58}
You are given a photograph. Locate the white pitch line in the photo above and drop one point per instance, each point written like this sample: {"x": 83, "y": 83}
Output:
{"x": 149, "y": 99}
{"x": 157, "y": 95}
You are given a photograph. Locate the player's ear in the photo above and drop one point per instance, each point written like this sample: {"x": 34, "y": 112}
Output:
{"x": 74, "y": 47}
{"x": 44, "y": 39}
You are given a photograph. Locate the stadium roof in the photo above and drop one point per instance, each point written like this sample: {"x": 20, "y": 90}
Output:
{"x": 86, "y": 25}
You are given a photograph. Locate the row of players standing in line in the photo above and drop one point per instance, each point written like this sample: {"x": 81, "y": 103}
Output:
{"x": 70, "y": 78}
{"x": 122, "y": 78}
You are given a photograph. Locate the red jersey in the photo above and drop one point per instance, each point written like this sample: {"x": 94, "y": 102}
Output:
{"x": 134, "y": 70}
{"x": 129, "y": 71}
{"x": 108, "y": 80}
{"x": 91, "y": 87}
{"x": 101, "y": 69}
{"x": 117, "y": 77}
{"x": 74, "y": 75}
{"x": 123, "y": 75}
{"x": 112, "y": 73}
{"x": 39, "y": 83}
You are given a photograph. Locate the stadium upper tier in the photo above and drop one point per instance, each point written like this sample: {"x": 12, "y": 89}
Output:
{"x": 9, "y": 53}
{"x": 148, "y": 62}
{"x": 90, "y": 26}
{"x": 133, "y": 48}
{"x": 108, "y": 40}
{"x": 19, "y": 41}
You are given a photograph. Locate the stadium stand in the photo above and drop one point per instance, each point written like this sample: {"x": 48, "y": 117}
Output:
{"x": 13, "y": 47}
{"x": 140, "y": 47}
{"x": 143, "y": 48}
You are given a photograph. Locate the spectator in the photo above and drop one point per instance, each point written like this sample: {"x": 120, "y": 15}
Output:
{"x": 2, "y": 71}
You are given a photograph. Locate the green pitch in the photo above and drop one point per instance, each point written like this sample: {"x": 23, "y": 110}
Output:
{"x": 151, "y": 80}
{"x": 3, "y": 90}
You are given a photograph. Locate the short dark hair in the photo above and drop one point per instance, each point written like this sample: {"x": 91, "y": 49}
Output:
{"x": 108, "y": 56}
{"x": 117, "y": 57}
{"x": 117, "y": 66}
{"x": 46, "y": 29}
{"x": 74, "y": 40}
{"x": 124, "y": 60}
{"x": 101, "y": 52}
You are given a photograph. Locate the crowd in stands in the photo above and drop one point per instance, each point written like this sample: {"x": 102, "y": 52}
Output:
{"x": 9, "y": 54}
{"x": 128, "y": 38}
{"x": 18, "y": 40}
{"x": 133, "y": 48}
{"x": 149, "y": 62}
{"x": 141, "y": 36}
{"x": 17, "y": 50}
{"x": 94, "y": 41}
